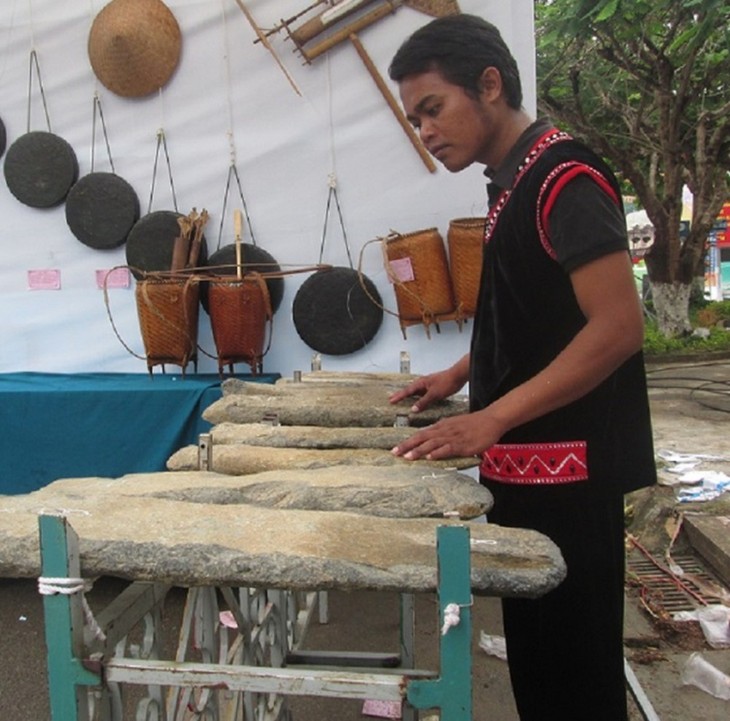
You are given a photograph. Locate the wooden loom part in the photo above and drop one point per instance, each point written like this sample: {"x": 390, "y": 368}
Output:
{"x": 265, "y": 41}
{"x": 334, "y": 14}
{"x": 434, "y": 8}
{"x": 349, "y": 32}
{"x": 393, "y": 104}
{"x": 387, "y": 8}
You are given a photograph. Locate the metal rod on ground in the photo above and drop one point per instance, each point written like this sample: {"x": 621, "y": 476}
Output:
{"x": 642, "y": 700}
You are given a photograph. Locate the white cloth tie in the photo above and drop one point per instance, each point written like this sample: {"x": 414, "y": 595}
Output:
{"x": 452, "y": 616}
{"x": 68, "y": 587}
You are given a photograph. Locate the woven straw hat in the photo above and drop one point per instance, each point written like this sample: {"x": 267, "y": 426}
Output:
{"x": 134, "y": 46}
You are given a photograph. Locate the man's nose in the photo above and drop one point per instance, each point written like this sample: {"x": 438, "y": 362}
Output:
{"x": 426, "y": 131}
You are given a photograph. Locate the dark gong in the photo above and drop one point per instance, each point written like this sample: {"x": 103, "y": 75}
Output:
{"x": 332, "y": 312}
{"x": 151, "y": 241}
{"x": 40, "y": 169}
{"x": 255, "y": 259}
{"x": 101, "y": 210}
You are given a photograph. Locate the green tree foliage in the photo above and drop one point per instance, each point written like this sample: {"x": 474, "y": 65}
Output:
{"x": 647, "y": 83}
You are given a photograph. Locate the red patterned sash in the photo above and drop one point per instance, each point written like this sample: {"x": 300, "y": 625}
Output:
{"x": 536, "y": 463}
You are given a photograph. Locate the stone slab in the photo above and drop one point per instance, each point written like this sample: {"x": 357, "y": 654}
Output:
{"x": 163, "y": 527}
{"x": 710, "y": 537}
{"x": 393, "y": 380}
{"x": 239, "y": 458}
{"x": 330, "y": 405}
{"x": 397, "y": 493}
{"x": 264, "y": 434}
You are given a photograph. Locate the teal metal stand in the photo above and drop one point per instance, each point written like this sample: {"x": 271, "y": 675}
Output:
{"x": 63, "y": 613}
{"x": 451, "y": 692}
{"x": 72, "y": 668}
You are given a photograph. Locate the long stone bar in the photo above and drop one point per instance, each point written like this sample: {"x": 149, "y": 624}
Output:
{"x": 238, "y": 449}
{"x": 330, "y": 405}
{"x": 198, "y": 529}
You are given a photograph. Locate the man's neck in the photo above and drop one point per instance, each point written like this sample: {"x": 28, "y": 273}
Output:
{"x": 515, "y": 123}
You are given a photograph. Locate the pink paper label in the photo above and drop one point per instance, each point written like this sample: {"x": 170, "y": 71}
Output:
{"x": 114, "y": 278}
{"x": 382, "y": 709}
{"x": 402, "y": 269}
{"x": 44, "y": 280}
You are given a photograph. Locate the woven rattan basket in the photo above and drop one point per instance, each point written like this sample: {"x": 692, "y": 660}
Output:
{"x": 240, "y": 312}
{"x": 168, "y": 317}
{"x": 417, "y": 265}
{"x": 465, "y": 240}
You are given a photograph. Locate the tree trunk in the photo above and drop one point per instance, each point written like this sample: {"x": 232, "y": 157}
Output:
{"x": 671, "y": 303}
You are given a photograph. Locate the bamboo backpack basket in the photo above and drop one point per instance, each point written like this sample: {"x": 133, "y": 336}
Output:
{"x": 240, "y": 311}
{"x": 465, "y": 240}
{"x": 416, "y": 264}
{"x": 167, "y": 307}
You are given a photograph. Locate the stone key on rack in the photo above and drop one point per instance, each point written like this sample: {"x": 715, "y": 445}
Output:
{"x": 330, "y": 404}
{"x": 239, "y": 448}
{"x": 152, "y": 527}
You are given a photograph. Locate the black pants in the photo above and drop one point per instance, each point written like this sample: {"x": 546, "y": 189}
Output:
{"x": 565, "y": 650}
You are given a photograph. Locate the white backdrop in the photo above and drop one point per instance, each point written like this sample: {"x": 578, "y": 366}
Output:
{"x": 228, "y": 102}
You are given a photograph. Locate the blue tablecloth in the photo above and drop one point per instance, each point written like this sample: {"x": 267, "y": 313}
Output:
{"x": 98, "y": 424}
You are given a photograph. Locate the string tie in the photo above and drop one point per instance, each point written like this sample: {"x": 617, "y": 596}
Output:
{"x": 69, "y": 587}
{"x": 63, "y": 586}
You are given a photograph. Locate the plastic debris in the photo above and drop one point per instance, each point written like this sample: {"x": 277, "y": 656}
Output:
{"x": 227, "y": 619}
{"x": 714, "y": 621}
{"x": 695, "y": 484}
{"x": 701, "y": 673}
{"x": 493, "y": 645}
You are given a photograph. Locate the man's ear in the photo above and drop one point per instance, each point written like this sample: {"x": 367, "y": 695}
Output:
{"x": 490, "y": 83}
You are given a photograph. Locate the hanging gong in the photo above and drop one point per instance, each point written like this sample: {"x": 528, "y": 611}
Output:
{"x": 151, "y": 241}
{"x": 40, "y": 169}
{"x": 101, "y": 210}
{"x": 332, "y": 312}
{"x": 254, "y": 259}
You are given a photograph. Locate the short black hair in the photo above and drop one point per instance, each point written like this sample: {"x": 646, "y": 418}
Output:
{"x": 460, "y": 47}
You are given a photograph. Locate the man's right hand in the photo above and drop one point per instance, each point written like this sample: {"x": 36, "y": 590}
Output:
{"x": 434, "y": 387}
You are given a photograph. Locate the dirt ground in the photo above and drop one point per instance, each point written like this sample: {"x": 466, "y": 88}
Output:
{"x": 691, "y": 415}
{"x": 690, "y": 409}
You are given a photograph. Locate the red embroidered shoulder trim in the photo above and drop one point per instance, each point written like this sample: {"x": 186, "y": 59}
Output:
{"x": 548, "y": 139}
{"x": 564, "y": 173}
{"x": 536, "y": 463}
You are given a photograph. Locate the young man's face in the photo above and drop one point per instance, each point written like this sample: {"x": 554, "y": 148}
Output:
{"x": 455, "y": 127}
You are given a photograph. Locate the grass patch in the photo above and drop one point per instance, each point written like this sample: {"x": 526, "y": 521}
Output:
{"x": 711, "y": 315}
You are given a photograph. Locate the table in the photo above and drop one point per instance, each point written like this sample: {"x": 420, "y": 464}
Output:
{"x": 249, "y": 678}
{"x": 57, "y": 425}
{"x": 159, "y": 530}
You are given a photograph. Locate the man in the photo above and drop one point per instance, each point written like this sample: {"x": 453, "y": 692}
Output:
{"x": 558, "y": 403}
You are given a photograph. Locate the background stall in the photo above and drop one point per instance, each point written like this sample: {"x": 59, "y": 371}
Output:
{"x": 236, "y": 125}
